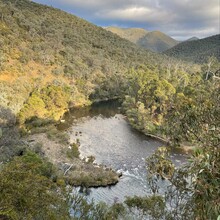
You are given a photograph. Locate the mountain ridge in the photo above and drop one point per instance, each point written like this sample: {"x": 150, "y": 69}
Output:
{"x": 155, "y": 41}
{"x": 192, "y": 39}
{"x": 131, "y": 34}
{"x": 197, "y": 51}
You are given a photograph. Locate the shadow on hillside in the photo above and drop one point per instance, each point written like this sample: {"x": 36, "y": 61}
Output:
{"x": 10, "y": 144}
{"x": 7, "y": 117}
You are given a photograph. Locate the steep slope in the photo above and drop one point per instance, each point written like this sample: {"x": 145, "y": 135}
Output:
{"x": 41, "y": 45}
{"x": 198, "y": 50}
{"x": 131, "y": 34}
{"x": 155, "y": 41}
{"x": 51, "y": 60}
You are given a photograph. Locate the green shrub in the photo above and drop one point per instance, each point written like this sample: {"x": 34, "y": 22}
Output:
{"x": 28, "y": 192}
{"x": 73, "y": 152}
{"x": 48, "y": 103}
{"x": 56, "y": 135}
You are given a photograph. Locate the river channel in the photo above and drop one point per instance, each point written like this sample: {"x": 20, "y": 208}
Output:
{"x": 104, "y": 133}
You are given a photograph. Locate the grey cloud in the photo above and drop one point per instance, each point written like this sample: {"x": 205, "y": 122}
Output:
{"x": 175, "y": 17}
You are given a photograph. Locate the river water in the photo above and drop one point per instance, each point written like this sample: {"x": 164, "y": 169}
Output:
{"x": 104, "y": 133}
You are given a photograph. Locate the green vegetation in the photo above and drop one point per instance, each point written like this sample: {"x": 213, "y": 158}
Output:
{"x": 46, "y": 67}
{"x": 150, "y": 207}
{"x": 50, "y": 102}
{"x": 79, "y": 61}
{"x": 179, "y": 106}
{"x": 197, "y": 50}
{"x": 10, "y": 144}
{"x": 55, "y": 135}
{"x": 37, "y": 52}
{"x": 183, "y": 108}
{"x": 73, "y": 152}
{"x": 28, "y": 190}
{"x": 192, "y": 191}
{"x": 31, "y": 189}
{"x": 87, "y": 175}
{"x": 91, "y": 211}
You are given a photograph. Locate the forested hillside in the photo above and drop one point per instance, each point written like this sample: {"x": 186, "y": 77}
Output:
{"x": 51, "y": 61}
{"x": 41, "y": 45}
{"x": 197, "y": 50}
{"x": 152, "y": 40}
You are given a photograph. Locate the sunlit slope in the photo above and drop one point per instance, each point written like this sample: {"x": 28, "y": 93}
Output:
{"x": 41, "y": 45}
{"x": 131, "y": 34}
{"x": 155, "y": 41}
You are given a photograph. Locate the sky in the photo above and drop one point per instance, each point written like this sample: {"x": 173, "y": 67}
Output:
{"x": 180, "y": 19}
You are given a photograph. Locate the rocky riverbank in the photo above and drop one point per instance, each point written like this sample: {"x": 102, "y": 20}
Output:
{"x": 75, "y": 171}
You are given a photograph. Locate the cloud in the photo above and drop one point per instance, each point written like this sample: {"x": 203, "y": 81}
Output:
{"x": 127, "y": 14}
{"x": 135, "y": 14}
{"x": 179, "y": 18}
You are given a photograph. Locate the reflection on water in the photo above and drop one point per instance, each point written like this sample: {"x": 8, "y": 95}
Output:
{"x": 106, "y": 108}
{"x": 105, "y": 134}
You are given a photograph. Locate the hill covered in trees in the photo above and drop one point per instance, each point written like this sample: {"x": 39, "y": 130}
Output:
{"x": 155, "y": 41}
{"x": 51, "y": 61}
{"x": 37, "y": 51}
{"x": 197, "y": 50}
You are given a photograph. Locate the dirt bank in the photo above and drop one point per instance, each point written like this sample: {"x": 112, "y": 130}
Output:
{"x": 75, "y": 171}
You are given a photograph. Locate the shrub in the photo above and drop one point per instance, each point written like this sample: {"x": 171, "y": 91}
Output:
{"x": 73, "y": 152}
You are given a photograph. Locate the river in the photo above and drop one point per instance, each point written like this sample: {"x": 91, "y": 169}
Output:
{"x": 104, "y": 132}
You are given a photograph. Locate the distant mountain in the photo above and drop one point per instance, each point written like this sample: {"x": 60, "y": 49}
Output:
{"x": 196, "y": 51}
{"x": 131, "y": 34}
{"x": 155, "y": 41}
{"x": 192, "y": 39}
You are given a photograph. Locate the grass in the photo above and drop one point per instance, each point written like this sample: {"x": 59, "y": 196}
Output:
{"x": 56, "y": 135}
{"x": 73, "y": 152}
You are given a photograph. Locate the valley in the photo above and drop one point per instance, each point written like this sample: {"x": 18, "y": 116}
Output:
{"x": 105, "y": 123}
